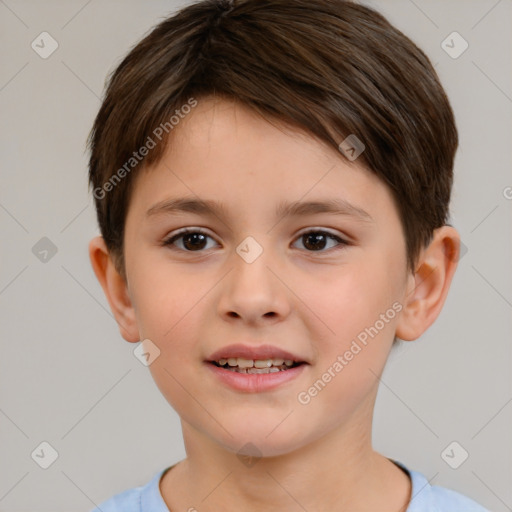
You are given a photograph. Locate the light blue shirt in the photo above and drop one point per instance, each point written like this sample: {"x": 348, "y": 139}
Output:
{"x": 424, "y": 498}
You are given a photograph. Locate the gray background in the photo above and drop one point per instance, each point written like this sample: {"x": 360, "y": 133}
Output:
{"x": 68, "y": 378}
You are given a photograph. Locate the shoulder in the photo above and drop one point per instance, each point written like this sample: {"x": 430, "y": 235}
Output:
{"x": 145, "y": 498}
{"x": 126, "y": 501}
{"x": 452, "y": 501}
{"x": 434, "y": 498}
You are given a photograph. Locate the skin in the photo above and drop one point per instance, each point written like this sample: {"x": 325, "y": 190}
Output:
{"x": 315, "y": 456}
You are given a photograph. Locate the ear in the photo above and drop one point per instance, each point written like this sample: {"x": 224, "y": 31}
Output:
{"x": 428, "y": 287}
{"x": 115, "y": 289}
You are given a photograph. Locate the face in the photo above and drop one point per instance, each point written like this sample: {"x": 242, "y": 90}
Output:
{"x": 318, "y": 285}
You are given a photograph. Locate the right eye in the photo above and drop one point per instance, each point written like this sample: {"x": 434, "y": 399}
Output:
{"x": 193, "y": 240}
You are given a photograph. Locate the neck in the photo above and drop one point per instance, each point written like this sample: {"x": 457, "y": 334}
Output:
{"x": 338, "y": 471}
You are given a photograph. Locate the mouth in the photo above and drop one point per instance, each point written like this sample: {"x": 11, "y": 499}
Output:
{"x": 253, "y": 366}
{"x": 254, "y": 369}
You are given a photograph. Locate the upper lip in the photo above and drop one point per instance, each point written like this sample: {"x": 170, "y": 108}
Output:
{"x": 254, "y": 352}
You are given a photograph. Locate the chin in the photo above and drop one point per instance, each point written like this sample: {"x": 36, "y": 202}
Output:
{"x": 270, "y": 438}
{"x": 261, "y": 447}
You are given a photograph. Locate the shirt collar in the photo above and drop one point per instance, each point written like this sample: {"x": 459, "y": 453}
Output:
{"x": 151, "y": 499}
{"x": 421, "y": 491}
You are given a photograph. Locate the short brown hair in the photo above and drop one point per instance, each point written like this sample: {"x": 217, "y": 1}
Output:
{"x": 330, "y": 67}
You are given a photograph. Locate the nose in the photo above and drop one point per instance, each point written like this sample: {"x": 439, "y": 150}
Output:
{"x": 254, "y": 292}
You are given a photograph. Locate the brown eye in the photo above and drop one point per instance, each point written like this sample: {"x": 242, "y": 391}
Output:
{"x": 316, "y": 241}
{"x": 192, "y": 240}
{"x": 196, "y": 241}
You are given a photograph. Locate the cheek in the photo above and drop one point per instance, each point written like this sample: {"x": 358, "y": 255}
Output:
{"x": 354, "y": 329}
{"x": 352, "y": 299}
{"x": 350, "y": 360}
{"x": 168, "y": 309}
{"x": 163, "y": 298}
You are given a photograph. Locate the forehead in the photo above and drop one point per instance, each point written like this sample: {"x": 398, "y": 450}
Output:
{"x": 226, "y": 153}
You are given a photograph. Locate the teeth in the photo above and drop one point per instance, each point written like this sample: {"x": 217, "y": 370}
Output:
{"x": 257, "y": 370}
{"x": 272, "y": 369}
{"x": 267, "y": 363}
{"x": 243, "y": 365}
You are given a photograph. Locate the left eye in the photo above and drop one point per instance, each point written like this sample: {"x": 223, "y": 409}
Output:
{"x": 195, "y": 240}
{"x": 316, "y": 240}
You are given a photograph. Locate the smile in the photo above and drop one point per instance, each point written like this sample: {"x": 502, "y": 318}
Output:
{"x": 251, "y": 379}
{"x": 242, "y": 365}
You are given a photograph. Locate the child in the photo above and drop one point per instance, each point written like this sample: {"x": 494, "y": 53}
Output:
{"x": 306, "y": 148}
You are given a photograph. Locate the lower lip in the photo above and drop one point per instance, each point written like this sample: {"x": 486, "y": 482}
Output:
{"x": 255, "y": 382}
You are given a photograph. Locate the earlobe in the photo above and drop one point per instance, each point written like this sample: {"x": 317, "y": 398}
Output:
{"x": 428, "y": 288}
{"x": 115, "y": 289}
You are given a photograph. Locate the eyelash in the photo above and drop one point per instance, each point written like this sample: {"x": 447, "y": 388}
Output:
{"x": 170, "y": 241}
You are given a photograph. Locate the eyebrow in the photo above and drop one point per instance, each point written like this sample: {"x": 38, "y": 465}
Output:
{"x": 214, "y": 208}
